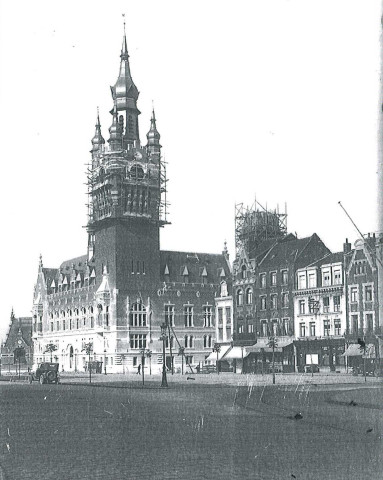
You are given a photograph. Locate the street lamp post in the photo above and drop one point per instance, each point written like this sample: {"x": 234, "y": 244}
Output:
{"x": 242, "y": 372}
{"x": 273, "y": 344}
{"x": 181, "y": 351}
{"x": 164, "y": 382}
{"x": 142, "y": 351}
{"x": 217, "y": 348}
{"x": 148, "y": 354}
{"x": 88, "y": 348}
{"x": 104, "y": 361}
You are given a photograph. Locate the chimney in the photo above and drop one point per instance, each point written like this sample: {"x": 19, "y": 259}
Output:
{"x": 346, "y": 246}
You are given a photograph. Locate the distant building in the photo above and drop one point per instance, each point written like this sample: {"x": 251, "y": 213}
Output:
{"x": 18, "y": 345}
{"x": 117, "y": 295}
{"x": 363, "y": 320}
{"x": 320, "y": 313}
{"x": 263, "y": 285}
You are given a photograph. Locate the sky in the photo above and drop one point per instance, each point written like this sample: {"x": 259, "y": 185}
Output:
{"x": 274, "y": 100}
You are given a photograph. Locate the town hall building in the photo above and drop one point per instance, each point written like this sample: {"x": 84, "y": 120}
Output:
{"x": 124, "y": 288}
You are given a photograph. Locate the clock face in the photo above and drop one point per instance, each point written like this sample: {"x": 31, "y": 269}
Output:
{"x": 19, "y": 342}
{"x": 138, "y": 156}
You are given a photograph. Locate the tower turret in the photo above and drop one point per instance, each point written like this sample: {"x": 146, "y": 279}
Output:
{"x": 125, "y": 95}
{"x": 116, "y": 131}
{"x": 153, "y": 136}
{"x": 98, "y": 140}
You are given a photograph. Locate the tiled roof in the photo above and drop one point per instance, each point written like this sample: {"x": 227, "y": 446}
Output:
{"x": 194, "y": 263}
{"x": 284, "y": 251}
{"x": 336, "y": 257}
{"x": 25, "y": 325}
{"x": 79, "y": 263}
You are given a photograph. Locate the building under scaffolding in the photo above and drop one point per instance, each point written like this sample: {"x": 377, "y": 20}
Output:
{"x": 255, "y": 224}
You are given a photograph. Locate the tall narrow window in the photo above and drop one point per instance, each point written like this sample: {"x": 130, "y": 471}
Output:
{"x": 137, "y": 315}
{"x": 262, "y": 279}
{"x": 239, "y": 297}
{"x": 188, "y": 315}
{"x": 249, "y": 296}
{"x": 302, "y": 330}
{"x": 336, "y": 300}
{"x": 302, "y": 308}
{"x": 169, "y": 315}
{"x": 312, "y": 329}
{"x": 207, "y": 315}
{"x": 326, "y": 328}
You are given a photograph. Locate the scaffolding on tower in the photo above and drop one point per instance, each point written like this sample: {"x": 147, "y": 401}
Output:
{"x": 256, "y": 224}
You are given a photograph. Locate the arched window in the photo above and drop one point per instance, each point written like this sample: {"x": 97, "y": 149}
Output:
{"x": 210, "y": 342}
{"x": 239, "y": 297}
{"x": 137, "y": 315}
{"x": 186, "y": 341}
{"x": 191, "y": 341}
{"x": 243, "y": 272}
{"x": 249, "y": 296}
{"x": 130, "y": 124}
{"x": 204, "y": 341}
{"x": 137, "y": 172}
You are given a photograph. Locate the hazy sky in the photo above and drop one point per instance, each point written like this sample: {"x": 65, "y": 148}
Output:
{"x": 276, "y": 99}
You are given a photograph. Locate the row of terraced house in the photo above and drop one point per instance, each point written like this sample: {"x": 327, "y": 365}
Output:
{"x": 320, "y": 307}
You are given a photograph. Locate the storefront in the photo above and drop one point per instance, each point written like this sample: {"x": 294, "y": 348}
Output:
{"x": 327, "y": 353}
{"x": 260, "y": 356}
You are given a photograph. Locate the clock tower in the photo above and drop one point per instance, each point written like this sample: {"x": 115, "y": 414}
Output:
{"x": 125, "y": 185}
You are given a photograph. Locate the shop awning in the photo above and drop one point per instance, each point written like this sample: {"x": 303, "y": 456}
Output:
{"x": 236, "y": 353}
{"x": 213, "y": 355}
{"x": 354, "y": 350}
{"x": 262, "y": 344}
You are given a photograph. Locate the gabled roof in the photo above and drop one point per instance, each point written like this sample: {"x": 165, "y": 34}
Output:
{"x": 290, "y": 249}
{"x": 24, "y": 324}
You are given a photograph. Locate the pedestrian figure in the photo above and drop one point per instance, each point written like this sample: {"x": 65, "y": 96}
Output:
{"x": 139, "y": 369}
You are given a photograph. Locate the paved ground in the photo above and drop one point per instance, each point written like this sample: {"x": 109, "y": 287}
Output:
{"x": 192, "y": 430}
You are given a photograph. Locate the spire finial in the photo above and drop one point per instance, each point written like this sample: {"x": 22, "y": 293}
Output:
{"x": 41, "y": 261}
{"x": 124, "y": 51}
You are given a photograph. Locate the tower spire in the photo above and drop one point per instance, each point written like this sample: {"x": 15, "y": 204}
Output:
{"x": 125, "y": 95}
{"x": 153, "y": 136}
{"x": 97, "y": 140}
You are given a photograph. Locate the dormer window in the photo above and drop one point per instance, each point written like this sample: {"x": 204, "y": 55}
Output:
{"x": 185, "y": 274}
{"x": 167, "y": 274}
{"x": 204, "y": 276}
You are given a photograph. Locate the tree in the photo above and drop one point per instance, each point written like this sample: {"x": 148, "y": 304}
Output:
{"x": 88, "y": 349}
{"x": 217, "y": 348}
{"x": 181, "y": 351}
{"x": 50, "y": 348}
{"x": 273, "y": 344}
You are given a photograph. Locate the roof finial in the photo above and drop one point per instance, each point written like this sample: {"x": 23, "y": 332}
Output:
{"x": 41, "y": 261}
{"x": 124, "y": 51}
